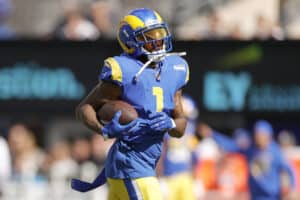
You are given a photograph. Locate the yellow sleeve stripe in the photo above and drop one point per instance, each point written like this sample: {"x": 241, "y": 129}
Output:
{"x": 187, "y": 78}
{"x": 134, "y": 21}
{"x": 116, "y": 72}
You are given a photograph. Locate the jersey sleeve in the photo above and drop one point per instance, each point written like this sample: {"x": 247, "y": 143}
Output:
{"x": 112, "y": 72}
{"x": 184, "y": 75}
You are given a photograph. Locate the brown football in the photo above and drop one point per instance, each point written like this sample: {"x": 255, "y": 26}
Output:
{"x": 108, "y": 110}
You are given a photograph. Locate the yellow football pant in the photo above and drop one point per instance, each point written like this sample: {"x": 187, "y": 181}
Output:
{"x": 146, "y": 188}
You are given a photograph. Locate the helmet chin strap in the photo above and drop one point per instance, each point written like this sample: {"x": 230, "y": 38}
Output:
{"x": 155, "y": 58}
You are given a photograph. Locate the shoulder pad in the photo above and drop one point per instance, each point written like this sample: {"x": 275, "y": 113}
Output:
{"x": 116, "y": 71}
{"x": 181, "y": 66}
{"x": 111, "y": 71}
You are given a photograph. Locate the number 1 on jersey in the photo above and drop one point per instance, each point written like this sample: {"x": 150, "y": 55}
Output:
{"x": 159, "y": 94}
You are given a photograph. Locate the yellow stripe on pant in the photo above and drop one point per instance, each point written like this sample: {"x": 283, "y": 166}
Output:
{"x": 146, "y": 188}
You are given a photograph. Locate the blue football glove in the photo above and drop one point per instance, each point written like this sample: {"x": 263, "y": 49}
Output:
{"x": 160, "y": 121}
{"x": 115, "y": 130}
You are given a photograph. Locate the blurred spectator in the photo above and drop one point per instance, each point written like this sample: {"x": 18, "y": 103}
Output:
{"x": 211, "y": 27}
{"x": 207, "y": 156}
{"x": 286, "y": 139}
{"x": 5, "y": 160}
{"x": 101, "y": 16}
{"x": 82, "y": 154}
{"x": 5, "y": 31}
{"x": 81, "y": 149}
{"x": 233, "y": 170}
{"x": 236, "y": 33}
{"x": 242, "y": 138}
{"x": 232, "y": 176}
{"x": 27, "y": 157}
{"x": 100, "y": 150}
{"x": 74, "y": 26}
{"x": 287, "y": 142}
{"x": 220, "y": 171}
{"x": 230, "y": 19}
{"x": 236, "y": 20}
{"x": 265, "y": 162}
{"x": 216, "y": 28}
{"x": 205, "y": 172}
{"x": 5, "y": 163}
{"x": 61, "y": 168}
{"x": 290, "y": 18}
{"x": 176, "y": 162}
{"x": 265, "y": 29}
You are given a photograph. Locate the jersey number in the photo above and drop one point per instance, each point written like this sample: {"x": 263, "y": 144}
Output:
{"x": 159, "y": 94}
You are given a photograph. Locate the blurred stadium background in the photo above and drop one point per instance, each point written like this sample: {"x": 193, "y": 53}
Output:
{"x": 243, "y": 56}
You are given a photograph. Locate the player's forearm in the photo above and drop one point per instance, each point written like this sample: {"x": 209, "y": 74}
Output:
{"x": 86, "y": 114}
{"x": 179, "y": 130}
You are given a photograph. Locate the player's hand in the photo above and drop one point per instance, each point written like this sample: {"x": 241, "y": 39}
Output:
{"x": 114, "y": 129}
{"x": 137, "y": 125}
{"x": 160, "y": 121}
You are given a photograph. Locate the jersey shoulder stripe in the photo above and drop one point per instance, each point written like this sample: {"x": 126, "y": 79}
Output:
{"x": 116, "y": 71}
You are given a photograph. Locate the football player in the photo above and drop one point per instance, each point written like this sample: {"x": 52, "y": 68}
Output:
{"x": 151, "y": 79}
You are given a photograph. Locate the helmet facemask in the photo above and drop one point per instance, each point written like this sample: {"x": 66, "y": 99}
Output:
{"x": 154, "y": 40}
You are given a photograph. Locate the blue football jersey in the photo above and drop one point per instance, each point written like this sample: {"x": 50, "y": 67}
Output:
{"x": 135, "y": 156}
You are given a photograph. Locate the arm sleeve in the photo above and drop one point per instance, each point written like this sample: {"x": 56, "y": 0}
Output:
{"x": 112, "y": 72}
{"x": 225, "y": 142}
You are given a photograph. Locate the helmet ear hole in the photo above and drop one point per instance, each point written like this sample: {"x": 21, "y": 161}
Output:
{"x": 128, "y": 45}
{"x": 131, "y": 44}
